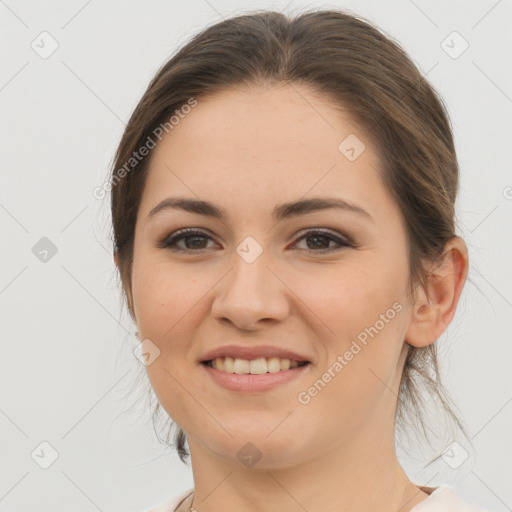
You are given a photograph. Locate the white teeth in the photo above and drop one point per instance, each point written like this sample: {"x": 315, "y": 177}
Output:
{"x": 257, "y": 366}
{"x": 241, "y": 366}
{"x": 273, "y": 364}
{"x": 229, "y": 364}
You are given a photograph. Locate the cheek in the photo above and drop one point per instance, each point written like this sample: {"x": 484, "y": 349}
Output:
{"x": 361, "y": 307}
{"x": 350, "y": 297}
{"x": 165, "y": 296}
{"x": 168, "y": 307}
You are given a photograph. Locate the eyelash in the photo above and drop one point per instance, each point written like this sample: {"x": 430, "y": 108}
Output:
{"x": 171, "y": 241}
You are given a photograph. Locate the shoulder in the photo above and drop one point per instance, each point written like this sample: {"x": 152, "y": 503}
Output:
{"x": 445, "y": 499}
{"x": 170, "y": 504}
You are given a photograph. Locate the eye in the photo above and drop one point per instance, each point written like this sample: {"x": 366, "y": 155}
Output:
{"x": 196, "y": 241}
{"x": 321, "y": 240}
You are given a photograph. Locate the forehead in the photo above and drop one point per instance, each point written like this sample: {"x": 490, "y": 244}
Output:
{"x": 251, "y": 146}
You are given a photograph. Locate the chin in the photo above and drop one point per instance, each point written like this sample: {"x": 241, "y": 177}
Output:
{"x": 258, "y": 449}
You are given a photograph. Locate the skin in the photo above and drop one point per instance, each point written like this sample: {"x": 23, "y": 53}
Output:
{"x": 248, "y": 150}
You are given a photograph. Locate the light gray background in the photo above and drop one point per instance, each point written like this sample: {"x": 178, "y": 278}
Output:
{"x": 66, "y": 366}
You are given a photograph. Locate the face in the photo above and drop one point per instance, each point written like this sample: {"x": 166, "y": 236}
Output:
{"x": 328, "y": 284}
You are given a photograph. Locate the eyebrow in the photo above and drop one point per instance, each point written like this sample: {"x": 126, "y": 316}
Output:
{"x": 283, "y": 211}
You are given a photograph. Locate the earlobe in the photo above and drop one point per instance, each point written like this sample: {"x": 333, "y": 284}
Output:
{"x": 436, "y": 303}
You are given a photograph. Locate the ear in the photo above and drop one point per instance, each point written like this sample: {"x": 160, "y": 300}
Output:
{"x": 435, "y": 306}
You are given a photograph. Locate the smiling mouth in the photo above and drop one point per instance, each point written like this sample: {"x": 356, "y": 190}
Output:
{"x": 258, "y": 366}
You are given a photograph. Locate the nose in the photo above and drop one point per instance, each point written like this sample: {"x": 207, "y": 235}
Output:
{"x": 252, "y": 295}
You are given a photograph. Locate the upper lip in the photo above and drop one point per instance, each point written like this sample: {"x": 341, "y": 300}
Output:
{"x": 252, "y": 352}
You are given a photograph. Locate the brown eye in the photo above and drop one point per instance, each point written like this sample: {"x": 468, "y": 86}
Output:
{"x": 319, "y": 241}
{"x": 194, "y": 241}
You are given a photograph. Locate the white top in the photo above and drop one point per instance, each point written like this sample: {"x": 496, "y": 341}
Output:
{"x": 442, "y": 499}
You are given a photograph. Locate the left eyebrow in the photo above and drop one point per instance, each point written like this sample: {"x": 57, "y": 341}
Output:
{"x": 305, "y": 206}
{"x": 280, "y": 212}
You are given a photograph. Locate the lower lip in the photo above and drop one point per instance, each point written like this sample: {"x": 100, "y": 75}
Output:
{"x": 256, "y": 383}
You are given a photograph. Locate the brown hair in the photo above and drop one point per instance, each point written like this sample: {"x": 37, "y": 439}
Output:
{"x": 365, "y": 73}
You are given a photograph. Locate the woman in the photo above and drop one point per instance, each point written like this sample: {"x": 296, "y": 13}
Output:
{"x": 283, "y": 216}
